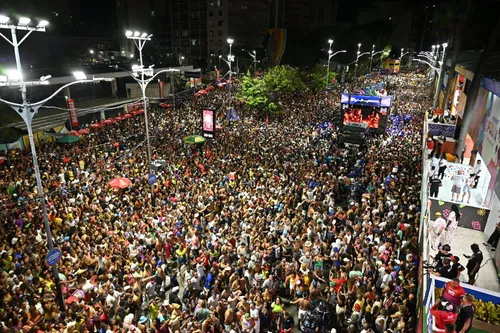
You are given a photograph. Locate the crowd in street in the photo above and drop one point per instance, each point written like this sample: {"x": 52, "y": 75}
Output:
{"x": 250, "y": 232}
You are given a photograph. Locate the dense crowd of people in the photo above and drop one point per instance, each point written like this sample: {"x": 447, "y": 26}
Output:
{"x": 252, "y": 232}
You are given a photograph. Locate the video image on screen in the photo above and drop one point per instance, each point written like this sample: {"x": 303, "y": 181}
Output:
{"x": 366, "y": 115}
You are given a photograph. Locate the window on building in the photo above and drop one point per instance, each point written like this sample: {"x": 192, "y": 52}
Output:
{"x": 220, "y": 12}
{"x": 185, "y": 33}
{"x": 244, "y": 7}
{"x": 219, "y": 33}
{"x": 211, "y": 14}
{"x": 211, "y": 33}
{"x": 220, "y": 23}
{"x": 193, "y": 42}
{"x": 210, "y": 24}
{"x": 211, "y": 3}
{"x": 218, "y": 2}
{"x": 219, "y": 42}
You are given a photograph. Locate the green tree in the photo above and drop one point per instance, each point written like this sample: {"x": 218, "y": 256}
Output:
{"x": 283, "y": 79}
{"x": 253, "y": 92}
{"x": 316, "y": 80}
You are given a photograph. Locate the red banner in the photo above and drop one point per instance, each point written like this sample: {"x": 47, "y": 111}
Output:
{"x": 161, "y": 88}
{"x": 72, "y": 113}
{"x": 217, "y": 76}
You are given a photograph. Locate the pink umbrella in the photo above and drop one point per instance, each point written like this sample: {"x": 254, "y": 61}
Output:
{"x": 97, "y": 125}
{"x": 127, "y": 116}
{"x": 120, "y": 182}
{"x": 73, "y": 133}
{"x": 109, "y": 121}
{"x": 202, "y": 92}
{"x": 84, "y": 131}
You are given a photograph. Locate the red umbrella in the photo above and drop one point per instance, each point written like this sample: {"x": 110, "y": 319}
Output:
{"x": 127, "y": 116}
{"x": 73, "y": 133}
{"x": 109, "y": 121}
{"x": 210, "y": 88}
{"x": 2, "y": 159}
{"x": 165, "y": 105}
{"x": 218, "y": 127}
{"x": 141, "y": 111}
{"x": 120, "y": 182}
{"x": 119, "y": 118}
{"x": 66, "y": 160}
{"x": 97, "y": 125}
{"x": 202, "y": 92}
{"x": 84, "y": 131}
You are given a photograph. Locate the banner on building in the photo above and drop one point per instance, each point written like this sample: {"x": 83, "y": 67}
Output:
{"x": 276, "y": 45}
{"x": 232, "y": 115}
{"x": 160, "y": 84}
{"x": 73, "y": 118}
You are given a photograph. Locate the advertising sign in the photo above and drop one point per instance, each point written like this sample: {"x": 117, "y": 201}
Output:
{"x": 364, "y": 100}
{"x": 72, "y": 113}
{"x": 53, "y": 256}
{"x": 386, "y": 101}
{"x": 208, "y": 117}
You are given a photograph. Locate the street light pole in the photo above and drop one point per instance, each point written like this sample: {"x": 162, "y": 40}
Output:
{"x": 441, "y": 77}
{"x": 330, "y": 42}
{"x": 254, "y": 57}
{"x": 140, "y": 40}
{"x": 371, "y": 57}
{"x": 357, "y": 57}
{"x": 27, "y": 110}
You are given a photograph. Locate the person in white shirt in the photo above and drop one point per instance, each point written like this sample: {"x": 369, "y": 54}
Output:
{"x": 475, "y": 173}
{"x": 458, "y": 183}
{"x": 436, "y": 231}
{"x": 467, "y": 189}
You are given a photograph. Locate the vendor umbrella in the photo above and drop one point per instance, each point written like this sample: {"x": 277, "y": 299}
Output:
{"x": 127, "y": 116}
{"x": 73, "y": 133}
{"x": 68, "y": 139}
{"x": 194, "y": 139}
{"x": 84, "y": 131}
{"x": 165, "y": 105}
{"x": 97, "y": 125}
{"x": 2, "y": 159}
{"x": 119, "y": 118}
{"x": 202, "y": 92}
{"x": 109, "y": 121}
{"x": 120, "y": 182}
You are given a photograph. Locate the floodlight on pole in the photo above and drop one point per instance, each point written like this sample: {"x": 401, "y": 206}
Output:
{"x": 137, "y": 34}
{"x": 42, "y": 24}
{"x": 4, "y": 19}
{"x": 3, "y": 79}
{"x": 129, "y": 33}
{"x": 79, "y": 75}
{"x": 14, "y": 75}
{"x": 91, "y": 51}
{"x": 24, "y": 21}
{"x": 357, "y": 58}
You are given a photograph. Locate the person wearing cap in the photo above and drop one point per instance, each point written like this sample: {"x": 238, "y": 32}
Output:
{"x": 436, "y": 231}
{"x": 443, "y": 313}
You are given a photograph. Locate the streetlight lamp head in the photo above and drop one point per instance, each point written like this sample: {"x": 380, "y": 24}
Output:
{"x": 79, "y": 75}
{"x": 42, "y": 24}
{"x": 91, "y": 51}
{"x": 359, "y": 52}
{"x": 230, "y": 41}
{"x": 4, "y": 19}
{"x": 144, "y": 35}
{"x": 24, "y": 21}
{"x": 135, "y": 68}
{"x": 128, "y": 33}
{"x": 445, "y": 45}
{"x": 13, "y": 74}
{"x": 132, "y": 55}
{"x": 330, "y": 41}
{"x": 137, "y": 34}
{"x": 220, "y": 56}
{"x": 254, "y": 52}
{"x": 359, "y": 44}
{"x": 330, "y": 51}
